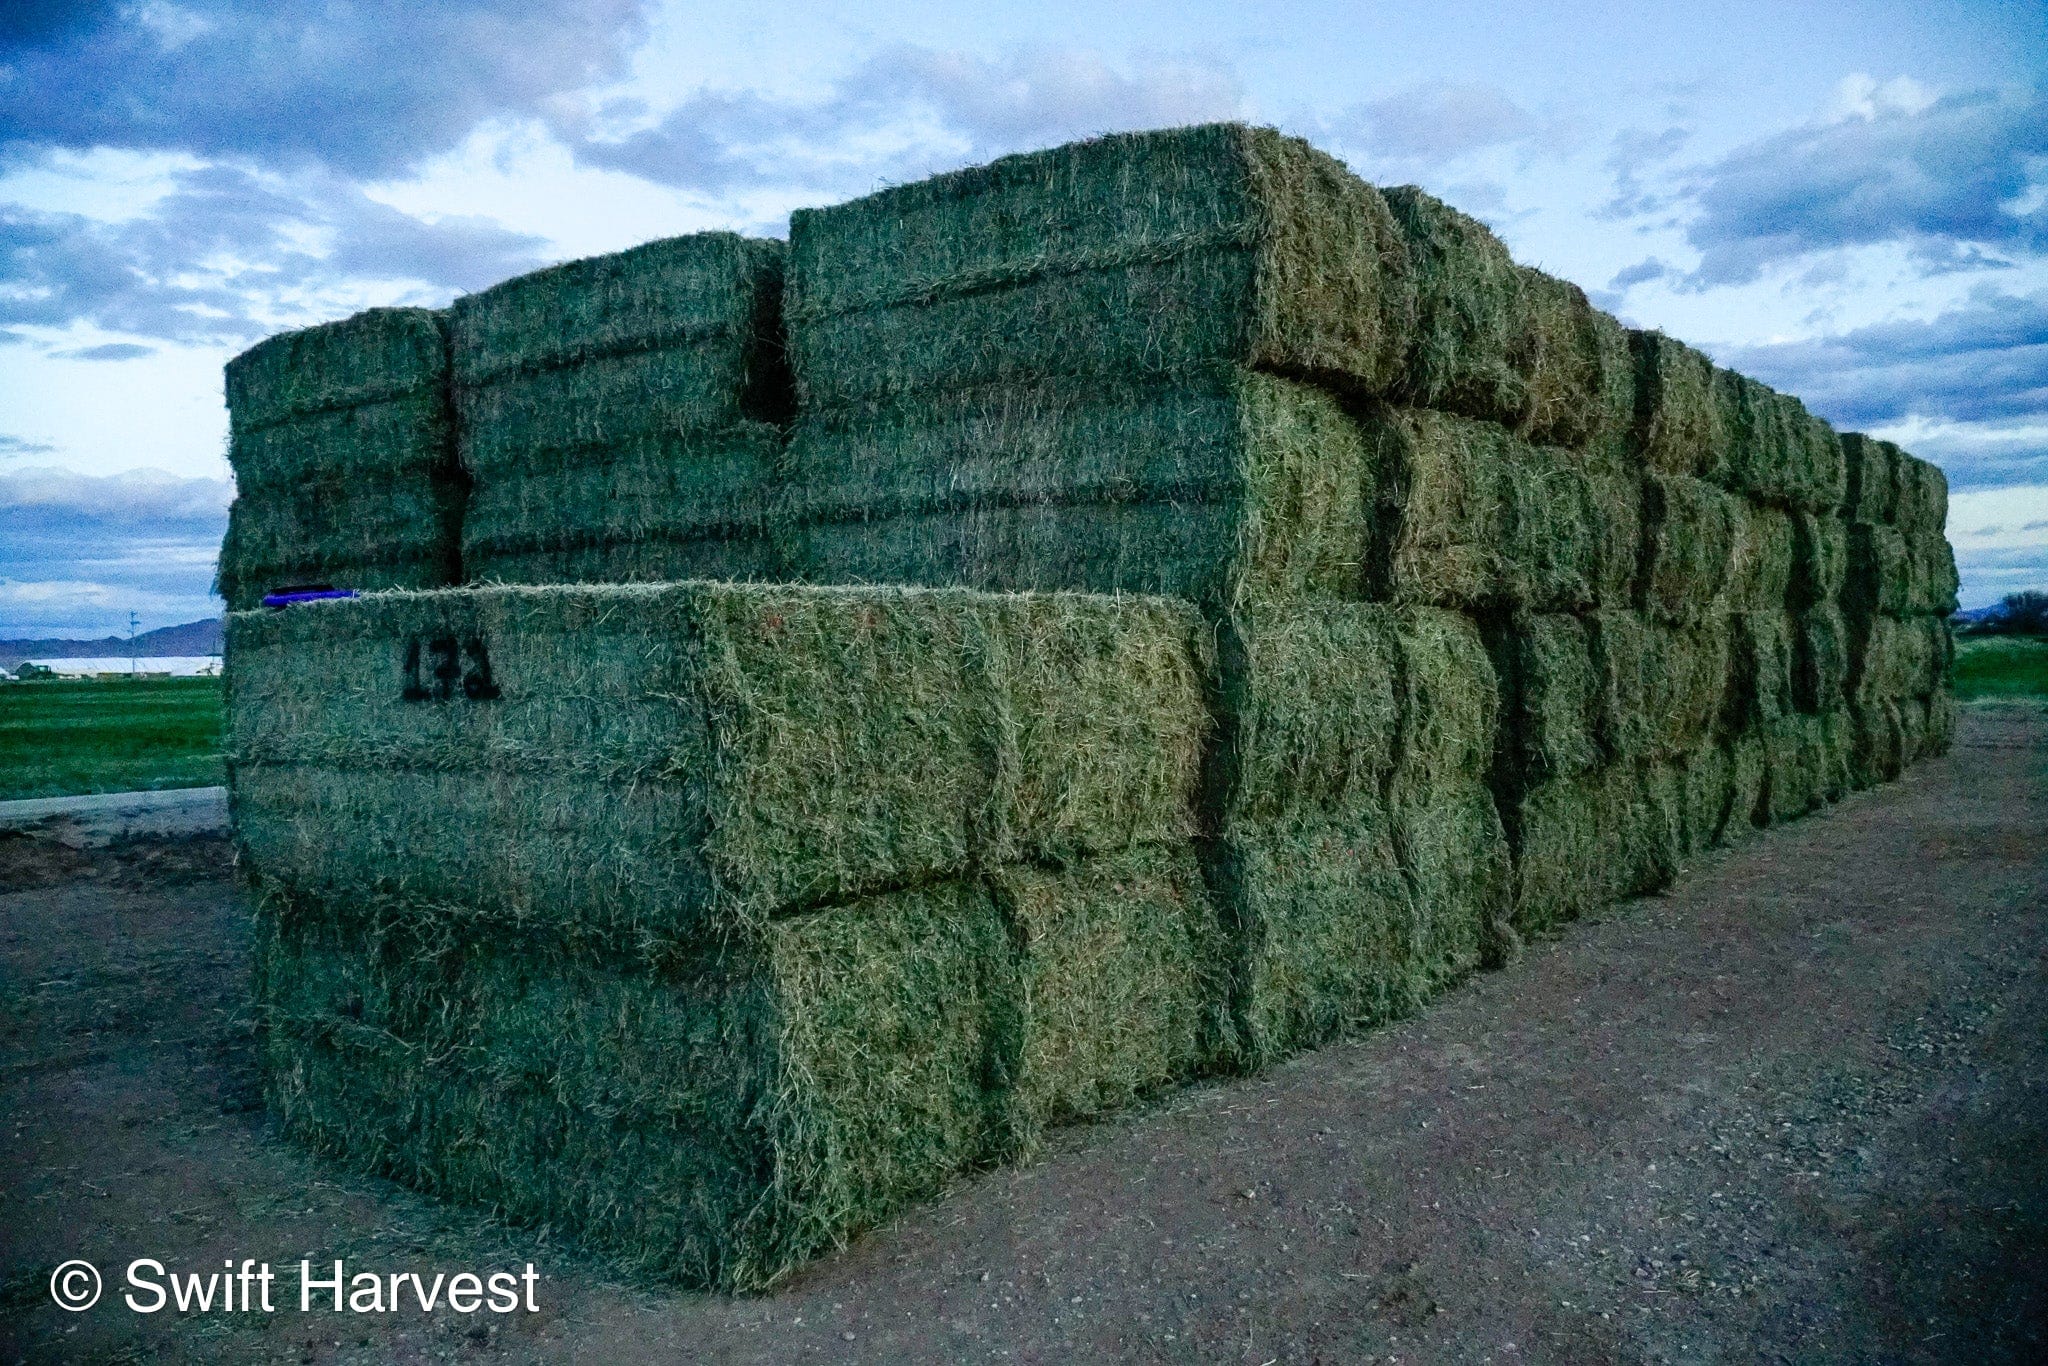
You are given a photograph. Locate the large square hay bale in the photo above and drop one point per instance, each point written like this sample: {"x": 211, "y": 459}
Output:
{"x": 617, "y": 412}
{"x": 1931, "y": 579}
{"x": 1808, "y": 762}
{"x": 1892, "y": 659}
{"x": 1221, "y": 487}
{"x": 1875, "y": 740}
{"x": 1689, "y": 529}
{"x": 1450, "y": 702}
{"x": 1776, "y": 451}
{"x": 1941, "y": 722}
{"x": 1761, "y": 569}
{"x": 1473, "y": 518}
{"x": 1870, "y": 479}
{"x": 664, "y": 762}
{"x": 344, "y": 455}
{"x": 1820, "y": 659}
{"x": 1581, "y": 372}
{"x": 1820, "y": 558}
{"x": 1923, "y": 497}
{"x": 1552, "y": 696}
{"x": 1122, "y": 983}
{"x": 1761, "y": 684}
{"x": 1141, "y": 252}
{"x": 715, "y": 1118}
{"x": 1678, "y": 419}
{"x": 1662, "y": 689}
{"x": 1879, "y": 573}
{"x": 1581, "y": 842}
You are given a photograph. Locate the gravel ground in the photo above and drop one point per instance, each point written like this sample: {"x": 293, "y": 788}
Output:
{"x": 1794, "y": 1110}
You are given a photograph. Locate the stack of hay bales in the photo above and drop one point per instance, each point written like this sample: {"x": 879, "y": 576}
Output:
{"x": 1145, "y": 364}
{"x": 715, "y": 922}
{"x": 1899, "y": 593}
{"x": 1240, "y": 603}
{"x": 343, "y": 449}
{"x": 618, "y": 415}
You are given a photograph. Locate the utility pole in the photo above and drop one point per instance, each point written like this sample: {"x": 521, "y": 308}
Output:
{"x": 133, "y": 622}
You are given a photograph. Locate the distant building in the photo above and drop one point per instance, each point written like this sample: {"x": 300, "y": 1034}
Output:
{"x": 164, "y": 666}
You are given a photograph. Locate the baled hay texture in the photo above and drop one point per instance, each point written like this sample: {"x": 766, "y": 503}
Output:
{"x": 1468, "y": 313}
{"x": 1551, "y": 693}
{"x": 1122, "y": 984}
{"x": 1224, "y": 487}
{"x": 1760, "y": 681}
{"x": 1689, "y": 545}
{"x": 1914, "y": 729}
{"x": 661, "y": 762}
{"x": 1473, "y": 517}
{"x": 1746, "y": 776}
{"x": 714, "y": 1119}
{"x": 1325, "y": 928}
{"x": 1891, "y": 660}
{"x": 674, "y": 337}
{"x": 1142, "y": 252}
{"x": 1760, "y": 570}
{"x": 1879, "y": 577}
{"x": 1819, "y": 469}
{"x": 1923, "y": 497}
{"x": 1450, "y": 701}
{"x": 1941, "y": 722}
{"x": 1875, "y": 740}
{"x": 1580, "y": 374}
{"x": 1705, "y": 782}
{"x": 343, "y": 449}
{"x": 659, "y": 510}
{"x": 1314, "y": 695}
{"x": 1582, "y": 842}
{"x": 1777, "y": 452}
{"x": 1807, "y": 763}
{"x": 1661, "y": 689}
{"x": 1678, "y": 420}
{"x": 1931, "y": 580}
{"x": 1871, "y": 479}
{"x": 378, "y": 356}
{"x": 1454, "y": 856}
{"x": 1820, "y": 558}
{"x": 334, "y": 530}
{"x": 1820, "y": 659}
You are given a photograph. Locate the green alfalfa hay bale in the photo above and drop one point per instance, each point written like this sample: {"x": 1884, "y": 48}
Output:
{"x": 1140, "y": 252}
{"x": 1819, "y": 479}
{"x": 1761, "y": 670}
{"x": 1468, "y": 313}
{"x": 1879, "y": 576}
{"x": 1931, "y": 579}
{"x": 666, "y": 761}
{"x": 343, "y": 449}
{"x": 1820, "y": 659}
{"x": 1820, "y": 558}
{"x": 1450, "y": 701}
{"x": 1808, "y": 762}
{"x": 1454, "y": 856}
{"x": 1471, "y": 517}
{"x": 1870, "y": 479}
{"x": 1706, "y": 794}
{"x": 1914, "y": 730}
{"x": 658, "y": 510}
{"x": 1314, "y": 698}
{"x": 1578, "y": 368}
{"x": 1923, "y": 497}
{"x": 1552, "y": 694}
{"x": 1679, "y": 423}
{"x": 676, "y": 336}
{"x": 1762, "y": 567}
{"x": 1876, "y": 740}
{"x": 1121, "y": 984}
{"x": 1757, "y": 440}
{"x": 1689, "y": 529}
{"x": 1661, "y": 689}
{"x": 377, "y": 356}
{"x": 1582, "y": 842}
{"x": 1746, "y": 777}
{"x": 1941, "y": 722}
{"x": 716, "y": 1119}
{"x": 1222, "y": 487}
{"x": 1892, "y": 659}
{"x": 1324, "y": 926}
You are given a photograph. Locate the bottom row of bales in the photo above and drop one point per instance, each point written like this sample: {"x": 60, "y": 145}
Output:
{"x": 714, "y": 923}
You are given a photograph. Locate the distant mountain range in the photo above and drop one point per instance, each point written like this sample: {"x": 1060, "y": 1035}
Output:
{"x": 193, "y": 638}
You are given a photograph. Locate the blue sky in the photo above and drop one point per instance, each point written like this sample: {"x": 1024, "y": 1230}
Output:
{"x": 1849, "y": 201}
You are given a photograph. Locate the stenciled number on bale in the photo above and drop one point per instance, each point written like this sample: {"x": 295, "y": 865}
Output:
{"x": 442, "y": 668}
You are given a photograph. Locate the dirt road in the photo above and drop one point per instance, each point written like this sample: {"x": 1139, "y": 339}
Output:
{"x": 1796, "y": 1110}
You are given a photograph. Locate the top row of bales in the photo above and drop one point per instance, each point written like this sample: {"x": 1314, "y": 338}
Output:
{"x": 623, "y": 417}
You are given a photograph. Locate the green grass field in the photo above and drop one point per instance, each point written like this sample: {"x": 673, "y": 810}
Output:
{"x": 2000, "y": 667}
{"x": 61, "y": 738}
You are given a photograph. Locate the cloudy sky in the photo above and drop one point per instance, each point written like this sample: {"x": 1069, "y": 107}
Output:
{"x": 1847, "y": 200}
